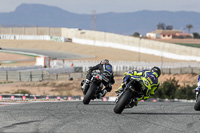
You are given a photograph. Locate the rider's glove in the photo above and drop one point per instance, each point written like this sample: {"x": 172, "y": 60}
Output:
{"x": 125, "y": 73}
{"x": 89, "y": 71}
{"x": 112, "y": 81}
{"x": 130, "y": 73}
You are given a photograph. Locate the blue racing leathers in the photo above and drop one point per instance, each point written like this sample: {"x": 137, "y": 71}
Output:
{"x": 149, "y": 81}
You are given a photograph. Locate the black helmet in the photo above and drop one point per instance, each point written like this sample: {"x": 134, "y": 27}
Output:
{"x": 106, "y": 61}
{"x": 157, "y": 70}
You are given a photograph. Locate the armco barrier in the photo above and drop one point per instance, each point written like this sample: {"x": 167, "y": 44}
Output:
{"x": 29, "y": 77}
{"x": 165, "y": 71}
{"x": 196, "y": 70}
{"x": 175, "y": 71}
{"x": 186, "y": 70}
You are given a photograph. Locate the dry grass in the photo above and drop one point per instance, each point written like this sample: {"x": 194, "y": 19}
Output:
{"x": 72, "y": 88}
{"x": 99, "y": 52}
{"x": 9, "y": 56}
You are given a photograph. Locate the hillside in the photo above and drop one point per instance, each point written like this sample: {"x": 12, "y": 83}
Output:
{"x": 120, "y": 23}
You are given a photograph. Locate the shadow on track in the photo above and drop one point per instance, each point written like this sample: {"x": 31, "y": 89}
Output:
{"x": 139, "y": 113}
{"x": 99, "y": 104}
{"x": 16, "y": 124}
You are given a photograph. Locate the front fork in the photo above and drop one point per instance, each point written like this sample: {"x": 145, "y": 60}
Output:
{"x": 197, "y": 90}
{"x": 99, "y": 90}
{"x": 119, "y": 96}
{"x": 132, "y": 103}
{"x": 197, "y": 94}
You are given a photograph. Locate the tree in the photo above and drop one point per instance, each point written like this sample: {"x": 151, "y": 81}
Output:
{"x": 161, "y": 26}
{"x": 136, "y": 34}
{"x": 196, "y": 35}
{"x": 189, "y": 26}
{"x": 169, "y": 27}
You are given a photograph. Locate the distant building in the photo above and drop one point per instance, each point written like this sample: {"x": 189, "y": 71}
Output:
{"x": 168, "y": 34}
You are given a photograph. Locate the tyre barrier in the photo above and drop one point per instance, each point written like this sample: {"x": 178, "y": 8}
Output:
{"x": 26, "y": 97}
{"x": 22, "y": 97}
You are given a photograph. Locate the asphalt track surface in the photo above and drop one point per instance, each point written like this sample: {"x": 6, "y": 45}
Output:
{"x": 52, "y": 54}
{"x": 98, "y": 117}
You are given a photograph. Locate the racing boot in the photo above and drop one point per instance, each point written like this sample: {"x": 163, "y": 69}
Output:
{"x": 141, "y": 98}
{"x": 103, "y": 93}
{"x": 136, "y": 102}
{"x": 120, "y": 89}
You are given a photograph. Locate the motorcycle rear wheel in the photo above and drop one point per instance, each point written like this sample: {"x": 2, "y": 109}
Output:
{"x": 123, "y": 101}
{"x": 90, "y": 93}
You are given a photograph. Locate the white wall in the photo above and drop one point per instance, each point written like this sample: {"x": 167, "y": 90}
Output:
{"x": 135, "y": 49}
{"x": 34, "y": 37}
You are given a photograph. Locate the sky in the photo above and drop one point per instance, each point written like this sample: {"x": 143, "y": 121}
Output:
{"x": 104, "y": 6}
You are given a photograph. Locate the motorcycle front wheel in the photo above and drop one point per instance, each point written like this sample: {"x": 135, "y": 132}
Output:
{"x": 197, "y": 104}
{"x": 123, "y": 101}
{"x": 90, "y": 93}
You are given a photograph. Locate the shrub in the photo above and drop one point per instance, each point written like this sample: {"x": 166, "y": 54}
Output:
{"x": 21, "y": 91}
{"x": 185, "y": 92}
{"x": 171, "y": 89}
{"x": 168, "y": 89}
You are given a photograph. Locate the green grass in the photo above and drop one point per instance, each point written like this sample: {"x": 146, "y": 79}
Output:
{"x": 7, "y": 92}
{"x": 6, "y": 82}
{"x": 189, "y": 45}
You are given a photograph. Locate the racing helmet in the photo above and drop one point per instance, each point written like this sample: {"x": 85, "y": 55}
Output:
{"x": 157, "y": 70}
{"x": 106, "y": 61}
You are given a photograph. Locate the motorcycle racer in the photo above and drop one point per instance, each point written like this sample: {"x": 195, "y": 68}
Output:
{"x": 106, "y": 69}
{"x": 198, "y": 86}
{"x": 147, "y": 78}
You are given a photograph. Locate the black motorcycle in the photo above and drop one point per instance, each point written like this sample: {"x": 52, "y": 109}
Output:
{"x": 128, "y": 97}
{"x": 95, "y": 87}
{"x": 197, "y": 104}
